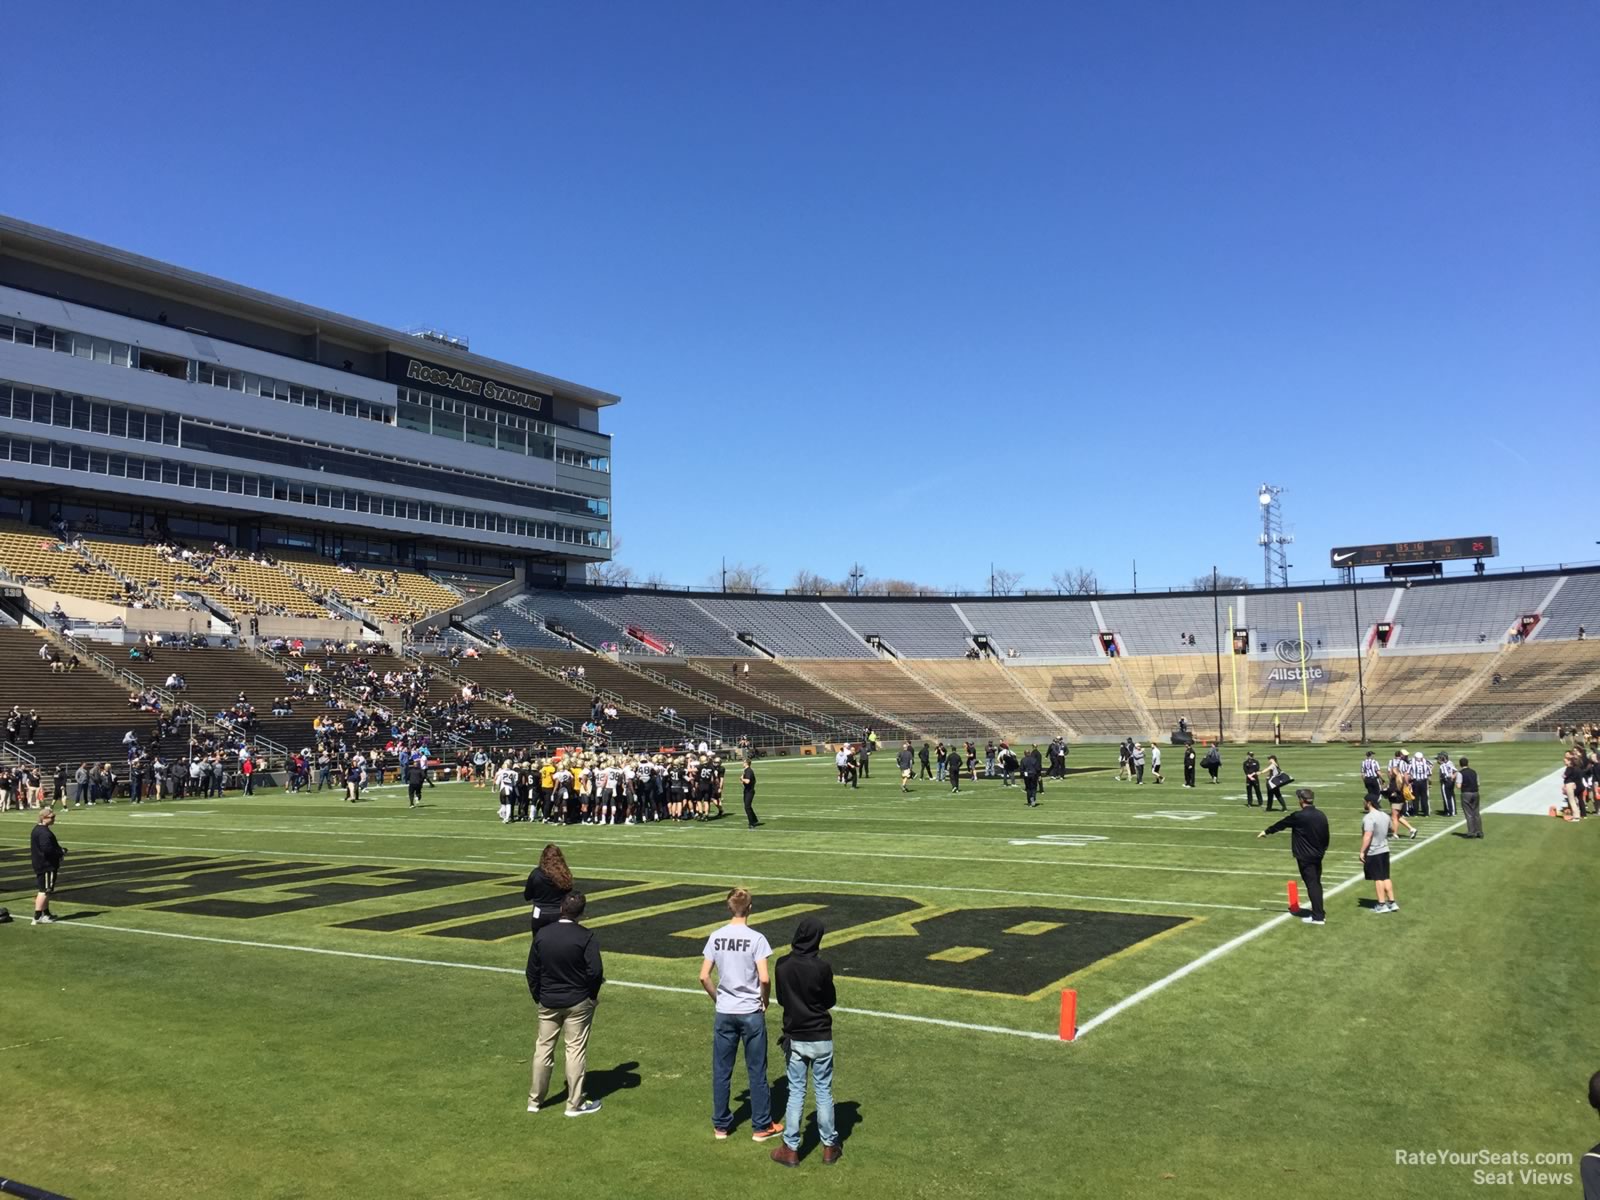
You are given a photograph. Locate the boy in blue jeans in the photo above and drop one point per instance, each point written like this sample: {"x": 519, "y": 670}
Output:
{"x": 805, "y": 990}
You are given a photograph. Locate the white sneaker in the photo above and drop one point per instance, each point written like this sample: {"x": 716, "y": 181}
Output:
{"x": 1310, "y": 920}
{"x": 533, "y": 1108}
{"x": 587, "y": 1108}
{"x": 1394, "y": 906}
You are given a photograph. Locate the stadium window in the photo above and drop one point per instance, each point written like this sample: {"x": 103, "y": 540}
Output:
{"x": 169, "y": 365}
{"x": 169, "y": 472}
{"x": 117, "y": 464}
{"x": 118, "y": 425}
{"x": 186, "y": 473}
{"x": 448, "y": 425}
{"x": 99, "y": 419}
{"x": 80, "y": 413}
{"x": 97, "y": 462}
{"x": 480, "y": 432}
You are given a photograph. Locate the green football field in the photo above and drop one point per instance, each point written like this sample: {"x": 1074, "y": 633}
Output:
{"x": 285, "y": 996}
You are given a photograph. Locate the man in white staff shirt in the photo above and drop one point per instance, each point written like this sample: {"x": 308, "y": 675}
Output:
{"x": 739, "y": 956}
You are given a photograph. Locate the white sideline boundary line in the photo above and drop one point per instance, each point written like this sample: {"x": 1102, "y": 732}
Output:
{"x": 1534, "y": 800}
{"x": 722, "y": 876}
{"x": 1229, "y": 946}
{"x": 461, "y": 966}
{"x": 730, "y": 847}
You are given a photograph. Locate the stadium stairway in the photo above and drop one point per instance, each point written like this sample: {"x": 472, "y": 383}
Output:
{"x": 982, "y": 687}
{"x": 1493, "y": 664}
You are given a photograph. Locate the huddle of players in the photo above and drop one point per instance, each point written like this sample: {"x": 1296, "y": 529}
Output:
{"x": 605, "y": 789}
{"x": 1580, "y": 782}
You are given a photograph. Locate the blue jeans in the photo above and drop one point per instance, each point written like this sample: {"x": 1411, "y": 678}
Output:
{"x": 940, "y": 776}
{"x": 819, "y": 1057}
{"x": 729, "y": 1030}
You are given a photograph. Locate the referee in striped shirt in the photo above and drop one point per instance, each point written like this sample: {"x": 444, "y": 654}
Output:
{"x": 1371, "y": 772}
{"x": 1421, "y": 772}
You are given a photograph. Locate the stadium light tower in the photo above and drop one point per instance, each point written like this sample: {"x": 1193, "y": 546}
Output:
{"x": 1273, "y": 540}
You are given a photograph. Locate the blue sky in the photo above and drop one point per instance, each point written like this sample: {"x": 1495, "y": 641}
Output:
{"x": 921, "y": 286}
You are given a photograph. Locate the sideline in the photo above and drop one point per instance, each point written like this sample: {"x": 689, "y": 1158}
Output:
{"x": 1217, "y": 952}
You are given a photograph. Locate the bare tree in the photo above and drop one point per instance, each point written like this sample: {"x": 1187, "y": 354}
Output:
{"x": 742, "y": 577}
{"x": 1076, "y": 581}
{"x": 612, "y": 573}
{"x": 1003, "y": 582}
{"x": 655, "y": 580}
{"x": 809, "y": 583}
{"x": 901, "y": 587}
{"x": 1224, "y": 583}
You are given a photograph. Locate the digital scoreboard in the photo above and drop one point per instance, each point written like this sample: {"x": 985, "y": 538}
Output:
{"x": 1415, "y": 552}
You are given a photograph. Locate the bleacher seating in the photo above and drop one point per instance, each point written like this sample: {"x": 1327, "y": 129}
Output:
{"x": 1035, "y": 628}
{"x": 568, "y": 612}
{"x": 883, "y": 687}
{"x": 670, "y": 621}
{"x": 518, "y": 628}
{"x": 1403, "y": 691}
{"x": 776, "y": 679}
{"x": 1576, "y": 605}
{"x": 1163, "y": 624}
{"x": 982, "y": 688}
{"x": 915, "y": 629}
{"x": 82, "y": 715}
{"x": 505, "y": 672}
{"x": 1454, "y": 614}
{"x": 1330, "y": 617}
{"x": 1089, "y": 698}
{"x": 798, "y": 628}
{"x": 1526, "y": 679}
{"x": 37, "y": 556}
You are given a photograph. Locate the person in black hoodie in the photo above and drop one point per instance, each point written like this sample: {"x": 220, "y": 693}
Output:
{"x": 564, "y": 978}
{"x": 47, "y": 854}
{"x": 1309, "y": 842}
{"x": 805, "y": 990}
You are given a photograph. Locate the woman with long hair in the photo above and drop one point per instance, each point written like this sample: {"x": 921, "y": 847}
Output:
{"x": 548, "y": 886}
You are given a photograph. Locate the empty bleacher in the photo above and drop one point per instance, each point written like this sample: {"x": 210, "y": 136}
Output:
{"x": 1332, "y": 620}
{"x": 1035, "y": 628}
{"x": 1575, "y": 606}
{"x": 568, "y": 612}
{"x": 1404, "y": 691}
{"x": 518, "y": 627}
{"x": 1163, "y": 624}
{"x": 775, "y": 679}
{"x": 981, "y": 687}
{"x": 1456, "y": 614}
{"x": 798, "y": 628}
{"x": 915, "y": 629}
{"x": 1090, "y": 698}
{"x": 882, "y": 686}
{"x": 1526, "y": 679}
{"x": 673, "y": 622}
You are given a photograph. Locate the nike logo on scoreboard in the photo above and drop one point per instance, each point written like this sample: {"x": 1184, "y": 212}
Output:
{"x": 1339, "y": 558}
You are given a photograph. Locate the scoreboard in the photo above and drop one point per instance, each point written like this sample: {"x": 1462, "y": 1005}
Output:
{"x": 1414, "y": 552}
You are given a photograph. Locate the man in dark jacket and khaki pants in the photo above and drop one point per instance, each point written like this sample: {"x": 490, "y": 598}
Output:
{"x": 564, "y": 978}
{"x": 805, "y": 989}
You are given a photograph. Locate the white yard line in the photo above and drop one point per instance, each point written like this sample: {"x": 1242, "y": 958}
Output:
{"x": 461, "y": 966}
{"x": 720, "y": 876}
{"x": 1216, "y": 952}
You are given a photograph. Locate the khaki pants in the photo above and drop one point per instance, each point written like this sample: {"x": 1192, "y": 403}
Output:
{"x": 573, "y": 1023}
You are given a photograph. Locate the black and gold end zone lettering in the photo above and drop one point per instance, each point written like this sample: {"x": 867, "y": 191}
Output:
{"x": 1018, "y": 951}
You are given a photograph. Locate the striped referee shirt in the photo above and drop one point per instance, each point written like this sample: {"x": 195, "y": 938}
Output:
{"x": 1421, "y": 768}
{"x": 1447, "y": 770}
{"x": 1369, "y": 768}
{"x": 1399, "y": 766}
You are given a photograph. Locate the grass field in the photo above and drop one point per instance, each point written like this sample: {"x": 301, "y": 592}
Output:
{"x": 290, "y": 995}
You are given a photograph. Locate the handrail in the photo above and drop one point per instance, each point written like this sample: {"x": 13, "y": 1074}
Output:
{"x": 15, "y": 751}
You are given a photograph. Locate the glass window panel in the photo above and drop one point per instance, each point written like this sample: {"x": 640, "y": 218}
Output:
{"x": 99, "y": 421}
{"x": 513, "y": 440}
{"x": 119, "y": 421}
{"x": 80, "y": 459}
{"x": 186, "y": 474}
{"x": 169, "y": 472}
{"x": 117, "y": 464}
{"x": 169, "y": 435}
{"x": 82, "y": 347}
{"x": 480, "y": 433}
{"x": 102, "y": 351}
{"x": 135, "y": 424}
{"x": 448, "y": 425}
{"x": 97, "y": 462}
{"x": 80, "y": 413}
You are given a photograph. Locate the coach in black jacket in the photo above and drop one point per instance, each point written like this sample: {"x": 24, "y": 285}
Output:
{"x": 564, "y": 978}
{"x": 46, "y": 854}
{"x": 805, "y": 989}
{"x": 1309, "y": 833}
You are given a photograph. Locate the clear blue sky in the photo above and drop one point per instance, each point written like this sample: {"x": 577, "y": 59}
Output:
{"x": 921, "y": 285}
